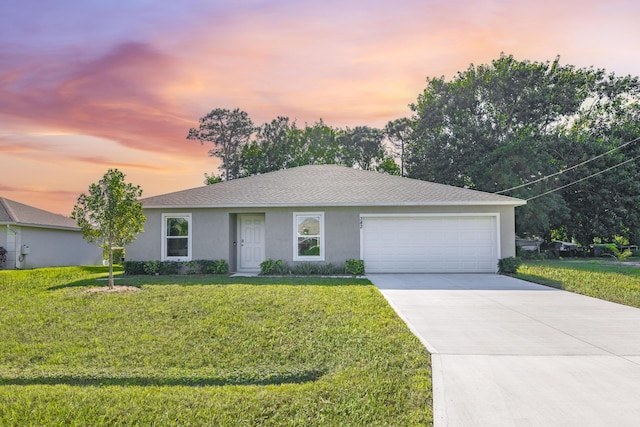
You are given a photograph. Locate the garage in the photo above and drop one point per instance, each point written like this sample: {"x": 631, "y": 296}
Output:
{"x": 430, "y": 243}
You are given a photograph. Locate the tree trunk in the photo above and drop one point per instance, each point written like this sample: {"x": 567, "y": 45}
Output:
{"x": 111, "y": 285}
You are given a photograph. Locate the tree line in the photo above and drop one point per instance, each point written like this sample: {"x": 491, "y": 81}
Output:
{"x": 501, "y": 126}
{"x": 245, "y": 149}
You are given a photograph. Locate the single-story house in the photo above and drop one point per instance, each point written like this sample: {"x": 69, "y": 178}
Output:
{"x": 329, "y": 214}
{"x": 33, "y": 237}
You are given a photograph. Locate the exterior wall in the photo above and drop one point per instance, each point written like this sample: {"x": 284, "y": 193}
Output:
{"x": 341, "y": 234}
{"x": 48, "y": 248}
{"x": 342, "y": 228}
{"x": 209, "y": 229}
{"x": 13, "y": 245}
{"x": 214, "y": 231}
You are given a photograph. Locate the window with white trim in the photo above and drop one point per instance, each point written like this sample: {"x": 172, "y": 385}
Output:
{"x": 176, "y": 237}
{"x": 308, "y": 235}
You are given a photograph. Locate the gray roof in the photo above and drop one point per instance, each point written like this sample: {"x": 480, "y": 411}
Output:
{"x": 325, "y": 185}
{"x": 12, "y": 212}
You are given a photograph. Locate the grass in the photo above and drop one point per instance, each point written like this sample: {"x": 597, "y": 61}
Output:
{"x": 198, "y": 350}
{"x": 611, "y": 281}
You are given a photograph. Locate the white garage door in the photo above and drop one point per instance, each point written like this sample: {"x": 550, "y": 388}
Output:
{"x": 430, "y": 244}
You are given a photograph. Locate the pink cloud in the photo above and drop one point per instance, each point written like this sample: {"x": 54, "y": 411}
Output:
{"x": 106, "y": 163}
{"x": 116, "y": 96}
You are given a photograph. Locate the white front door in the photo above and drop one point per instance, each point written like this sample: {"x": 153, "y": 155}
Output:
{"x": 251, "y": 242}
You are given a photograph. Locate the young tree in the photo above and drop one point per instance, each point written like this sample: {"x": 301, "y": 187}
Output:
{"x": 316, "y": 145}
{"x": 273, "y": 148}
{"x": 228, "y": 131}
{"x": 110, "y": 216}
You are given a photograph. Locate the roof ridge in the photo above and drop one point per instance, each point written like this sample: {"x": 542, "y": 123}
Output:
{"x": 7, "y": 207}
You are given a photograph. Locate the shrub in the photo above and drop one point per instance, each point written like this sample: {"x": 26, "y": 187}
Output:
{"x": 216, "y": 267}
{"x": 625, "y": 255}
{"x": 329, "y": 269}
{"x": 203, "y": 266}
{"x": 509, "y": 265}
{"x": 170, "y": 267}
{"x": 193, "y": 267}
{"x": 270, "y": 266}
{"x": 152, "y": 267}
{"x": 133, "y": 268}
{"x": 355, "y": 267}
{"x": 304, "y": 269}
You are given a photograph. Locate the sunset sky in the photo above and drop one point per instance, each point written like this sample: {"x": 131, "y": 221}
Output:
{"x": 86, "y": 85}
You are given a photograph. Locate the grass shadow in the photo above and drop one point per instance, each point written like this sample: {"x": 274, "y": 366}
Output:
{"x": 204, "y": 280}
{"x": 92, "y": 283}
{"x": 97, "y": 381}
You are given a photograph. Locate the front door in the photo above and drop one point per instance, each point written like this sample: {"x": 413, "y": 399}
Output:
{"x": 251, "y": 242}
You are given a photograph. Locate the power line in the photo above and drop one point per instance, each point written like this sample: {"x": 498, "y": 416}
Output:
{"x": 568, "y": 169}
{"x": 583, "y": 179}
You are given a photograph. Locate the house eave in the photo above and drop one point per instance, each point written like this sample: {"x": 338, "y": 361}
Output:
{"x": 51, "y": 227}
{"x": 362, "y": 204}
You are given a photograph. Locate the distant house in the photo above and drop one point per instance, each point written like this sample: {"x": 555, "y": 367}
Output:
{"x": 329, "y": 214}
{"x": 34, "y": 238}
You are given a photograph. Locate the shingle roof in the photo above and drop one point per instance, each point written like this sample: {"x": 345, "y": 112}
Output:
{"x": 325, "y": 185}
{"x": 12, "y": 212}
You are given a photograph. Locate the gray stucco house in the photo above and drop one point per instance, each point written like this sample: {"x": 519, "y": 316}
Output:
{"x": 329, "y": 214}
{"x": 34, "y": 238}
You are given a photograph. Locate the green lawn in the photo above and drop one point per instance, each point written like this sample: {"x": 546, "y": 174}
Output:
{"x": 604, "y": 279}
{"x": 196, "y": 350}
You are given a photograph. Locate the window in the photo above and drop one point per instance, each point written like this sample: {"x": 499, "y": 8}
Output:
{"x": 176, "y": 237}
{"x": 309, "y": 236}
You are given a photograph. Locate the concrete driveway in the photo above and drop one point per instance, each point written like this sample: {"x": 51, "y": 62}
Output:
{"x": 511, "y": 353}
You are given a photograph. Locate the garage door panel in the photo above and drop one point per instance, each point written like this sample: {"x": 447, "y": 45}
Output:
{"x": 430, "y": 244}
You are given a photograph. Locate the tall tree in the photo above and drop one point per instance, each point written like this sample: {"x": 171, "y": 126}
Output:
{"x": 280, "y": 144}
{"x": 399, "y": 133}
{"x": 110, "y": 216}
{"x": 272, "y": 148}
{"x": 362, "y": 146}
{"x": 228, "y": 131}
{"x": 317, "y": 145}
{"x": 458, "y": 123}
{"x": 511, "y": 122}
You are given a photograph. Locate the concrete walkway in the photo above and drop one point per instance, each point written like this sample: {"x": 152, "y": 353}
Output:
{"x": 510, "y": 353}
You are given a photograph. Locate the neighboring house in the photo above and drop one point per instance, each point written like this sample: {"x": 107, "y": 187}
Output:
{"x": 329, "y": 214}
{"x": 34, "y": 238}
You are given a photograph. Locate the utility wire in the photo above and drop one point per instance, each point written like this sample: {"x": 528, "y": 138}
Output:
{"x": 568, "y": 169}
{"x": 583, "y": 179}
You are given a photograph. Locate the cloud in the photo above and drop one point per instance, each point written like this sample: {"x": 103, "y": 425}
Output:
{"x": 106, "y": 163}
{"x": 117, "y": 96}
{"x": 17, "y": 148}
